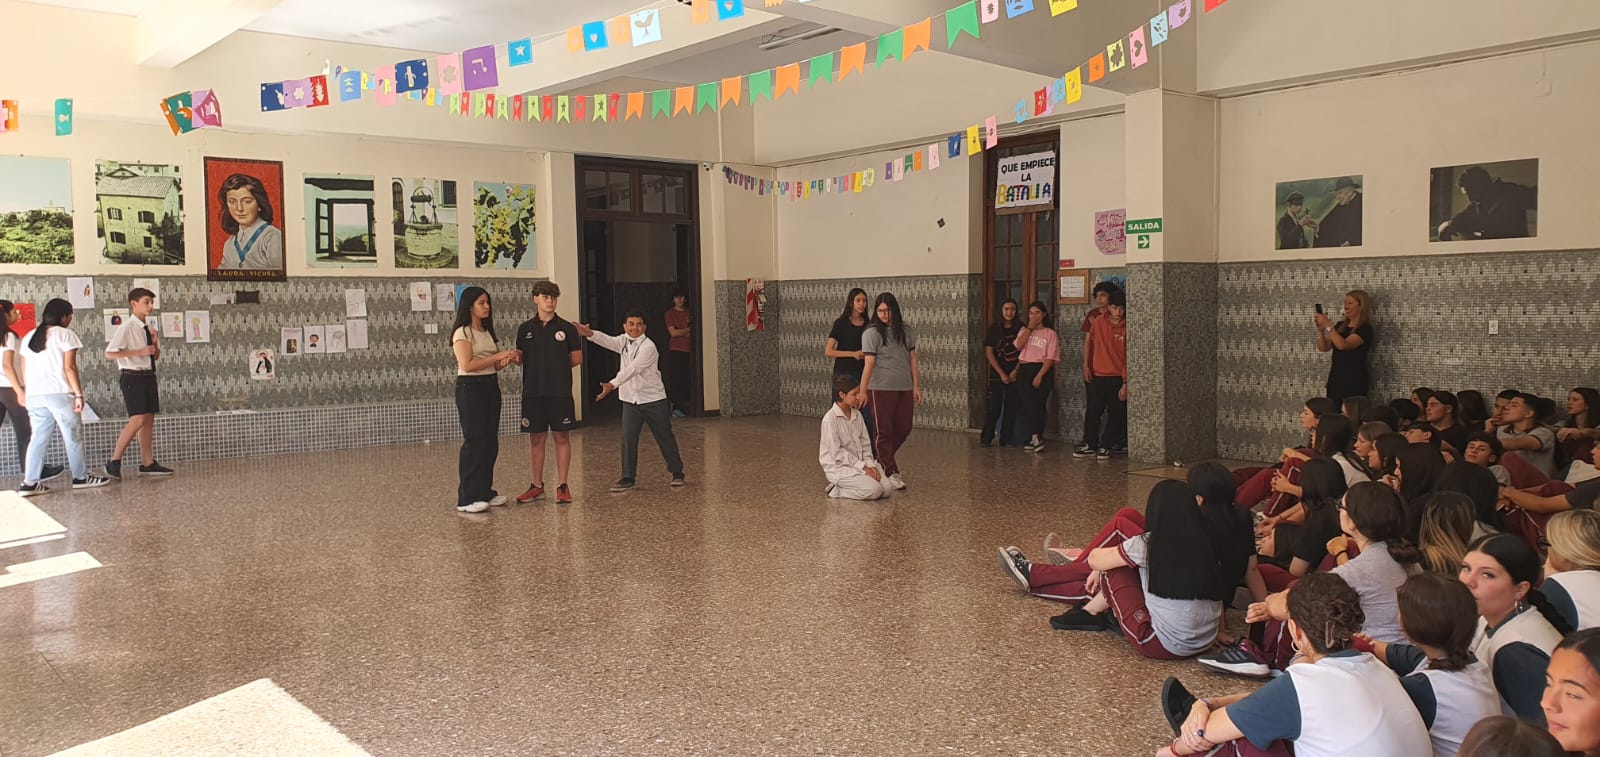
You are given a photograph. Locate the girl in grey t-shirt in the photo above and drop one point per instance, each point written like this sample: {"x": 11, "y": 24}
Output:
{"x": 891, "y": 381}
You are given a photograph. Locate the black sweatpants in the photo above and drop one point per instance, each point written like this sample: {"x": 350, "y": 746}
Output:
{"x": 478, "y": 405}
{"x": 1102, "y": 400}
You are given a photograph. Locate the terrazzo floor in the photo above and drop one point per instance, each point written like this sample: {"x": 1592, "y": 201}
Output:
{"x": 743, "y": 614}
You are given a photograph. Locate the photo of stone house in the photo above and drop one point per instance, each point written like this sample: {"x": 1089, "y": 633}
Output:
{"x": 139, "y": 217}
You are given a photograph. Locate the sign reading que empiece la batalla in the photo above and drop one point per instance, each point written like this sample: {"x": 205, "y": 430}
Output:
{"x": 1026, "y": 180}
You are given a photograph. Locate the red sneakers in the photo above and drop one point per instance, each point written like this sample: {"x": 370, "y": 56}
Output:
{"x": 563, "y": 495}
{"x": 534, "y": 493}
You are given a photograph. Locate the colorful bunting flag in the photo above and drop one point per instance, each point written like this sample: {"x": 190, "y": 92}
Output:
{"x": 646, "y": 27}
{"x": 660, "y": 103}
{"x": 480, "y": 104}
{"x": 8, "y": 116}
{"x": 349, "y": 86}
{"x": 178, "y": 110}
{"x": 962, "y": 18}
{"x": 519, "y": 52}
{"x": 705, "y": 96}
{"x": 318, "y": 92}
{"x": 1074, "y": 80}
{"x": 297, "y": 92}
{"x": 991, "y": 133}
{"x": 449, "y": 68}
{"x": 271, "y": 97}
{"x": 821, "y": 68}
{"x": 729, "y": 9}
{"x": 852, "y": 58}
{"x": 788, "y": 79}
{"x": 547, "y": 108}
{"x": 1138, "y": 52}
{"x": 891, "y": 45}
{"x": 478, "y": 69}
{"x": 411, "y": 76}
{"x": 1158, "y": 29}
{"x": 618, "y": 29}
{"x": 732, "y": 90}
{"x": 1212, "y": 5}
{"x": 991, "y": 11}
{"x": 953, "y": 143}
{"x": 502, "y": 107}
{"x": 933, "y": 157}
{"x": 761, "y": 85}
{"x": 575, "y": 40}
{"x": 1016, "y": 8}
{"x": 580, "y": 109}
{"x": 635, "y": 105}
{"x": 601, "y": 110}
{"x": 918, "y": 36}
{"x": 383, "y": 80}
{"x": 205, "y": 109}
{"x": 563, "y": 109}
{"x": 1097, "y": 67}
{"x": 64, "y": 117}
{"x": 1116, "y": 56}
{"x": 516, "y": 108}
{"x": 1041, "y": 101}
{"x": 974, "y": 140}
{"x": 700, "y": 11}
{"x": 1058, "y": 7}
{"x": 594, "y": 36}
{"x": 1178, "y": 14}
{"x": 683, "y": 100}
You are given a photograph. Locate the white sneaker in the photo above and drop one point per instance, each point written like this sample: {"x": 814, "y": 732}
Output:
{"x": 476, "y": 507}
{"x": 898, "y": 482}
{"x": 499, "y": 500}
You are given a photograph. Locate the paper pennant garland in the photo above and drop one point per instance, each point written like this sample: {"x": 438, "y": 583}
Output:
{"x": 594, "y": 36}
{"x": 1178, "y": 14}
{"x": 705, "y": 96}
{"x": 349, "y": 86}
{"x": 205, "y": 109}
{"x": 1016, "y": 8}
{"x": 8, "y": 116}
{"x": 1074, "y": 81}
{"x": 645, "y": 27}
{"x": 727, "y": 9}
{"x": 991, "y": 11}
{"x": 821, "y": 68}
{"x": 1058, "y": 7}
{"x": 1212, "y": 5}
{"x": 961, "y": 19}
{"x": 991, "y": 133}
{"x": 683, "y": 100}
{"x": 918, "y": 36}
{"x": 788, "y": 79}
{"x": 478, "y": 69}
{"x": 1097, "y": 67}
{"x": 852, "y": 58}
{"x": 1138, "y": 52}
{"x": 761, "y": 85}
{"x": 411, "y": 76}
{"x": 1116, "y": 56}
{"x": 732, "y": 89}
{"x": 1158, "y": 29}
{"x": 661, "y": 103}
{"x": 272, "y": 96}
{"x": 64, "y": 117}
{"x": 602, "y": 109}
{"x": 519, "y": 52}
{"x": 700, "y": 11}
{"x": 892, "y": 45}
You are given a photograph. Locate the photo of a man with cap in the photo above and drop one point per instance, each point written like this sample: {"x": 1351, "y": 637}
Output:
{"x": 1291, "y": 231}
{"x": 1499, "y": 205}
{"x": 1341, "y": 227}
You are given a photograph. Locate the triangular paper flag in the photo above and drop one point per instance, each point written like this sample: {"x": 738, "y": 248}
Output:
{"x": 962, "y": 18}
{"x": 1016, "y": 8}
{"x": 727, "y": 9}
{"x": 1074, "y": 80}
{"x": 683, "y": 100}
{"x": 1158, "y": 29}
{"x": 660, "y": 103}
{"x": 892, "y": 45}
{"x": 1097, "y": 67}
{"x": 1116, "y": 56}
{"x": 821, "y": 68}
{"x": 852, "y": 58}
{"x": 991, "y": 133}
{"x": 918, "y": 36}
{"x": 601, "y": 109}
{"x": 788, "y": 79}
{"x": 705, "y": 96}
{"x": 646, "y": 27}
{"x": 1138, "y": 51}
{"x": 635, "y": 105}
{"x": 761, "y": 85}
{"x": 732, "y": 90}
{"x": 1058, "y": 7}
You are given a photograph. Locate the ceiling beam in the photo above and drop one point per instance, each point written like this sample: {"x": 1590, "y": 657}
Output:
{"x": 173, "y": 31}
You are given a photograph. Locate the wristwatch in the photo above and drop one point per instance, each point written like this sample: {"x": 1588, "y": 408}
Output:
{"x": 1328, "y": 330}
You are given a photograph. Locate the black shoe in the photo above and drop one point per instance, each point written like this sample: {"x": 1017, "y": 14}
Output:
{"x": 1119, "y": 451}
{"x": 1015, "y": 565}
{"x": 985, "y": 443}
{"x": 1176, "y": 703}
{"x": 623, "y": 485}
{"x": 155, "y": 469}
{"x": 678, "y": 480}
{"x": 51, "y": 471}
{"x": 1078, "y": 619}
{"x": 33, "y": 490}
{"x": 114, "y": 469}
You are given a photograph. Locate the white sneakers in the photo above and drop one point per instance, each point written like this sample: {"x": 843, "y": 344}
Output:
{"x": 475, "y": 507}
{"x": 898, "y": 482}
{"x": 499, "y": 500}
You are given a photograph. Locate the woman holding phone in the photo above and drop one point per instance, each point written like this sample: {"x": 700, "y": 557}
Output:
{"x": 1349, "y": 340}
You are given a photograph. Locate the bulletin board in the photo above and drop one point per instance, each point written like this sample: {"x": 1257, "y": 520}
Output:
{"x": 1073, "y": 287}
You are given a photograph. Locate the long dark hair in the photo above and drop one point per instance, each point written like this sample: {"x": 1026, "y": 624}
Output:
{"x": 1472, "y": 409}
{"x": 1480, "y": 485}
{"x": 1012, "y": 301}
{"x": 1504, "y": 736}
{"x": 464, "y": 304}
{"x": 1437, "y": 610}
{"x": 1322, "y": 484}
{"x": 6, "y": 306}
{"x": 1420, "y": 466}
{"x": 1181, "y": 566}
{"x": 895, "y": 329}
{"x": 1445, "y": 532}
{"x": 55, "y": 311}
{"x": 257, "y": 190}
{"x": 1335, "y": 434}
{"x": 1524, "y": 566}
{"x": 1045, "y": 321}
{"x": 1376, "y": 512}
{"x": 850, "y": 307}
{"x": 1389, "y": 446}
{"x": 1591, "y": 397}
{"x": 1227, "y": 525}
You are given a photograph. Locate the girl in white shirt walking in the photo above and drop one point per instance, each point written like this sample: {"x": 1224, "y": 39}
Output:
{"x": 50, "y": 371}
{"x": 13, "y": 395}
{"x": 644, "y": 397}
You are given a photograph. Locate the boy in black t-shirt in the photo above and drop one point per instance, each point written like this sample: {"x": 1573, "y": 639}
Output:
{"x": 1000, "y": 356}
{"x": 551, "y": 348}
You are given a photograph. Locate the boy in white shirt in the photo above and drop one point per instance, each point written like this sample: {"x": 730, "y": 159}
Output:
{"x": 846, "y": 452}
{"x": 133, "y": 346}
{"x": 644, "y": 398}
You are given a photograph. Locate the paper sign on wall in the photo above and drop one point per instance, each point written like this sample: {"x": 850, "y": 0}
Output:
{"x": 154, "y": 285}
{"x": 172, "y": 325}
{"x": 1109, "y": 235}
{"x": 355, "y": 303}
{"x": 80, "y": 292}
{"x": 1026, "y": 180}
{"x": 356, "y": 333}
{"x": 444, "y": 297}
{"x": 421, "y": 296}
{"x": 197, "y": 326}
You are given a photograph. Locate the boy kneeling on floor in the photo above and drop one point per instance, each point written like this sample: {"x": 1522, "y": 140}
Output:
{"x": 846, "y": 452}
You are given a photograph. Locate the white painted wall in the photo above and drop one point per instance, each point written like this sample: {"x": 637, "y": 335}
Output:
{"x": 1093, "y": 153}
{"x": 1247, "y": 44}
{"x": 1393, "y": 129}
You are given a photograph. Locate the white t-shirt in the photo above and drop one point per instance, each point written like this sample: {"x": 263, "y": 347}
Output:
{"x": 8, "y": 343}
{"x": 482, "y": 346}
{"x": 45, "y": 372}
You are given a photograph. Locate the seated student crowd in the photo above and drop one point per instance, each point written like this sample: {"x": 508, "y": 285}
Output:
{"x": 1466, "y": 625}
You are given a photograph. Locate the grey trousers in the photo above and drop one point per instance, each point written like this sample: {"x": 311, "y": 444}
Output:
{"x": 658, "y": 415}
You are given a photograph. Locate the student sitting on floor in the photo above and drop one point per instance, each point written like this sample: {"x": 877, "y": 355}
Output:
{"x": 1323, "y": 485}
{"x": 1447, "y": 524}
{"x": 1417, "y": 469}
{"x": 1372, "y": 518}
{"x": 1452, "y": 689}
{"x": 1502, "y": 736}
{"x": 1572, "y": 568}
{"x": 1522, "y": 433}
{"x": 1480, "y": 486}
{"x": 846, "y": 453}
{"x": 1517, "y": 626}
{"x": 1163, "y": 587}
{"x": 1332, "y": 440}
{"x": 1484, "y": 450}
{"x": 1255, "y": 484}
{"x": 1335, "y": 701}
{"x": 1571, "y": 710}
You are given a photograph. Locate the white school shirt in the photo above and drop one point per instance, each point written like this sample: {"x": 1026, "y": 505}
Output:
{"x": 1576, "y": 595}
{"x": 1344, "y": 705}
{"x": 8, "y": 343}
{"x": 1450, "y": 702}
{"x": 638, "y": 381}
{"x": 45, "y": 372}
{"x": 1527, "y": 632}
{"x": 130, "y": 336}
{"x": 845, "y": 450}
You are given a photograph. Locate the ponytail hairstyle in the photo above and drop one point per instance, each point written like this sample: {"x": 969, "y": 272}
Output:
{"x": 464, "y": 305}
{"x": 55, "y": 311}
{"x": 1477, "y": 483}
{"x": 6, "y": 306}
{"x": 1389, "y": 446}
{"x": 1375, "y": 510}
{"x": 1523, "y": 565}
{"x": 1575, "y": 538}
{"x": 1438, "y": 611}
{"x": 1446, "y": 530}
{"x": 1327, "y": 611}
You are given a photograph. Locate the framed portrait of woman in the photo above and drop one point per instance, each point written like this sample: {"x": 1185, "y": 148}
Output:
{"x": 244, "y": 220}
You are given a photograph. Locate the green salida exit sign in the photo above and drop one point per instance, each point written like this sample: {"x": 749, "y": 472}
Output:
{"x": 1142, "y": 226}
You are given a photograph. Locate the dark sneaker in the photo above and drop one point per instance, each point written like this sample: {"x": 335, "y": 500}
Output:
{"x": 1241, "y": 659}
{"x": 90, "y": 482}
{"x": 563, "y": 495}
{"x": 1015, "y": 565}
{"x": 623, "y": 485}
{"x": 534, "y": 493}
{"x": 51, "y": 471}
{"x": 1081, "y": 451}
{"x": 155, "y": 469}
{"x": 677, "y": 480}
{"x": 1176, "y": 703}
{"x": 114, "y": 469}
{"x": 1035, "y": 447}
{"x": 33, "y": 490}
{"x": 1119, "y": 451}
{"x": 1102, "y": 454}
{"x": 985, "y": 443}
{"x": 1078, "y": 619}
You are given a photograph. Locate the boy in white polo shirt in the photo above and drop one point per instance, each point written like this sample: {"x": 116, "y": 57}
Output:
{"x": 133, "y": 346}
{"x": 644, "y": 398}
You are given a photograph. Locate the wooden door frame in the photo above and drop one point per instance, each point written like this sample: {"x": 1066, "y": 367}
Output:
{"x": 991, "y": 169}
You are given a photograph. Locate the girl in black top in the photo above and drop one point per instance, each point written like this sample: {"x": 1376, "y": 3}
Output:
{"x": 1349, "y": 340}
{"x": 1000, "y": 356}
{"x": 844, "y": 346}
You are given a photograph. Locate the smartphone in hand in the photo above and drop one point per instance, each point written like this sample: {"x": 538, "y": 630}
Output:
{"x": 1319, "y": 308}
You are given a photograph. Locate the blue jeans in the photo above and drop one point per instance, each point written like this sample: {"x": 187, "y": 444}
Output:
{"x": 49, "y": 412}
